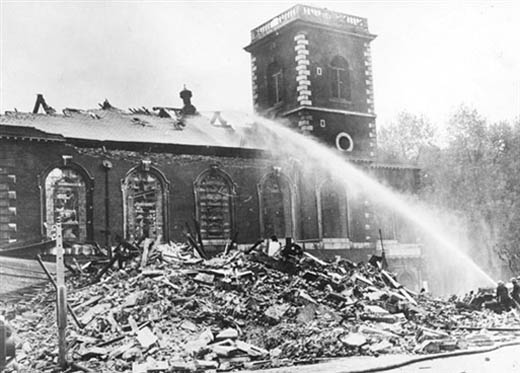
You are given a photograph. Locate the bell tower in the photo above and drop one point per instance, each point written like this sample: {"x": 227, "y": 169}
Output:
{"x": 313, "y": 67}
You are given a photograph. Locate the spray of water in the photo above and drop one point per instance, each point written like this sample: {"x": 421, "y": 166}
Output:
{"x": 284, "y": 141}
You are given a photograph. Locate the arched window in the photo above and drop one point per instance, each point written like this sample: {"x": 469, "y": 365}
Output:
{"x": 339, "y": 78}
{"x": 276, "y": 206}
{"x": 66, "y": 196}
{"x": 214, "y": 204}
{"x": 145, "y": 203}
{"x": 275, "y": 83}
{"x": 332, "y": 210}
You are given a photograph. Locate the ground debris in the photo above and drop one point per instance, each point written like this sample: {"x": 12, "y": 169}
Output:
{"x": 169, "y": 310}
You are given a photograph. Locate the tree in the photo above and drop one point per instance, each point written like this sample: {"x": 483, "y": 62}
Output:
{"x": 472, "y": 171}
{"x": 477, "y": 174}
{"x": 405, "y": 138}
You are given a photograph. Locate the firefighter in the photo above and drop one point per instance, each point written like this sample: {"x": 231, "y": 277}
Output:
{"x": 515, "y": 293}
{"x": 503, "y": 297}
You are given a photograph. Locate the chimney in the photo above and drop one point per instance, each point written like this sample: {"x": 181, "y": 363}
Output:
{"x": 188, "y": 108}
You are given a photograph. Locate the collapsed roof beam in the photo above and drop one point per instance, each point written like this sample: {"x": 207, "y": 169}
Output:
{"x": 40, "y": 102}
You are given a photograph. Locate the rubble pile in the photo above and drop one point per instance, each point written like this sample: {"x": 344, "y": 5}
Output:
{"x": 174, "y": 312}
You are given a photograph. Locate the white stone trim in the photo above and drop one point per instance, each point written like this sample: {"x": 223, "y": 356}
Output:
{"x": 328, "y": 110}
{"x": 368, "y": 74}
{"x": 302, "y": 80}
{"x": 341, "y": 135}
{"x": 254, "y": 85}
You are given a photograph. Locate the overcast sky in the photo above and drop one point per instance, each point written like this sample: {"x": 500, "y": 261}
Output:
{"x": 428, "y": 58}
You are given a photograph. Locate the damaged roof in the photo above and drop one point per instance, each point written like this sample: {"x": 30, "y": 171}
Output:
{"x": 141, "y": 126}
{"x": 160, "y": 125}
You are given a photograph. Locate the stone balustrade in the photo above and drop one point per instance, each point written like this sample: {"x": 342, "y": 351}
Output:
{"x": 309, "y": 13}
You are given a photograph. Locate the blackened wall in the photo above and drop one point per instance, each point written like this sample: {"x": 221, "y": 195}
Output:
{"x": 28, "y": 162}
{"x": 324, "y": 45}
{"x": 328, "y": 125}
{"x": 320, "y": 46}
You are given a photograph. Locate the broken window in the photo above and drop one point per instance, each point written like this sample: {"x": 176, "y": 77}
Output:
{"x": 66, "y": 201}
{"x": 214, "y": 193}
{"x": 339, "y": 76}
{"x": 275, "y": 83}
{"x": 276, "y": 206}
{"x": 333, "y": 211}
{"x": 144, "y": 205}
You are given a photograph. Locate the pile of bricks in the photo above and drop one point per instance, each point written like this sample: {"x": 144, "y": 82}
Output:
{"x": 175, "y": 312}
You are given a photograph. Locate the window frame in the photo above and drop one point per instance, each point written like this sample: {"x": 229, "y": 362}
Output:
{"x": 292, "y": 200}
{"x": 165, "y": 184}
{"x": 345, "y": 218}
{"x": 340, "y": 80}
{"x": 215, "y": 170}
{"x": 275, "y": 84}
{"x": 89, "y": 190}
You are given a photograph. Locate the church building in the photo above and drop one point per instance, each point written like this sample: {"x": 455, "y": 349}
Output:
{"x": 152, "y": 172}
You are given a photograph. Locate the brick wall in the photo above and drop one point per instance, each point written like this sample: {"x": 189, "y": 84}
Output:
{"x": 30, "y": 161}
{"x": 25, "y": 164}
{"x": 8, "y": 197}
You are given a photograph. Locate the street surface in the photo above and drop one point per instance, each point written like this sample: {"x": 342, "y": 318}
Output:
{"x": 503, "y": 360}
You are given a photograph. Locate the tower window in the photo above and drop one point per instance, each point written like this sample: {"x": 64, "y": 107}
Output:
{"x": 344, "y": 142}
{"x": 275, "y": 83}
{"x": 339, "y": 77}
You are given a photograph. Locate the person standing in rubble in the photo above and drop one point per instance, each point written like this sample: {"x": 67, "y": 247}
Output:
{"x": 515, "y": 293}
{"x": 503, "y": 297}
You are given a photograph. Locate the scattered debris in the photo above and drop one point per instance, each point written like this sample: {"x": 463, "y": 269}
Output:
{"x": 106, "y": 105}
{"x": 168, "y": 310}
